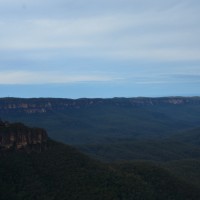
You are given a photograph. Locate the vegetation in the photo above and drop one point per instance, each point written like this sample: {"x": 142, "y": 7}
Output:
{"x": 114, "y": 133}
{"x": 103, "y": 123}
{"x": 148, "y": 152}
{"x": 62, "y": 172}
{"x": 156, "y": 150}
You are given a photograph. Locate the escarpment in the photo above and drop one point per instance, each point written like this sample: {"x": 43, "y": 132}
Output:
{"x": 19, "y": 137}
{"x": 44, "y": 105}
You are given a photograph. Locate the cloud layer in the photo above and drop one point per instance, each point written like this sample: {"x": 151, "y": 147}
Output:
{"x": 65, "y": 41}
{"x": 166, "y": 31}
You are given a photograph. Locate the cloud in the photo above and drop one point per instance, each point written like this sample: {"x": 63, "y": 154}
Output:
{"x": 166, "y": 31}
{"x": 28, "y": 77}
{"x": 54, "y": 34}
{"x": 160, "y": 77}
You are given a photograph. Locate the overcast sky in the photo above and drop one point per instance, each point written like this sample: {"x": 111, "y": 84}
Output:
{"x": 99, "y": 48}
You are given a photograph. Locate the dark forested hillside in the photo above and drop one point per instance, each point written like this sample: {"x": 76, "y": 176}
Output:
{"x": 56, "y": 171}
{"x": 61, "y": 172}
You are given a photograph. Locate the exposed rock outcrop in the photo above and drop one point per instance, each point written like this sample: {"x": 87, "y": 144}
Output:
{"x": 17, "y": 136}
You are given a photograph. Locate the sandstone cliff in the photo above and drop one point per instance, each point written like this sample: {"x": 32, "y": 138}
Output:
{"x": 17, "y": 136}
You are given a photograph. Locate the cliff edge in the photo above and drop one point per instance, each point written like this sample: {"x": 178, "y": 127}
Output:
{"x": 17, "y": 136}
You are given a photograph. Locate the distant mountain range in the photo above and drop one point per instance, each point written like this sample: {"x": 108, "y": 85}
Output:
{"x": 42, "y": 105}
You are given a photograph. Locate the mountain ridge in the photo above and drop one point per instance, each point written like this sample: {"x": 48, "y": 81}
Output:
{"x": 43, "y": 105}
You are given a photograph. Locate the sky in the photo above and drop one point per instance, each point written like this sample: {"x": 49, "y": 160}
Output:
{"x": 92, "y": 48}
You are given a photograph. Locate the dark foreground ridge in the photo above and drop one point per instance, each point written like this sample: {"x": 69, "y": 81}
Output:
{"x": 61, "y": 172}
{"x": 17, "y": 136}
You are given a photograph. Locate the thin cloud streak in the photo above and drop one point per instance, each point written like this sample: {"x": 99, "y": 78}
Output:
{"x": 25, "y": 77}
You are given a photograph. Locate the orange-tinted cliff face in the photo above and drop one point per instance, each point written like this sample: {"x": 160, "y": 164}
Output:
{"x": 20, "y": 137}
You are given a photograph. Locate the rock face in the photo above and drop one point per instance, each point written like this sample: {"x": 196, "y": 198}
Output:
{"x": 17, "y": 136}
